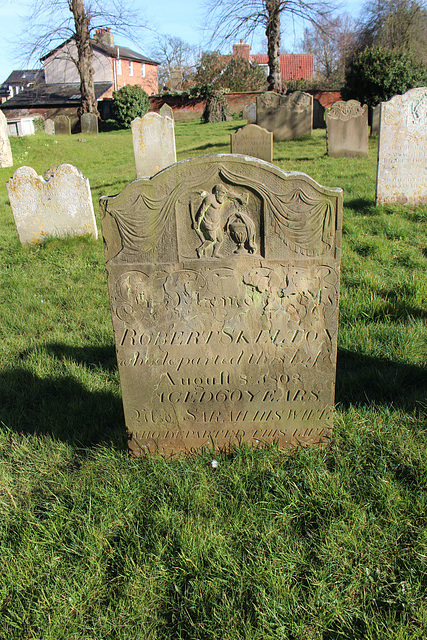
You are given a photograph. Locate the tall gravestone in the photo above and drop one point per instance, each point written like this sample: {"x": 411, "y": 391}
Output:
{"x": 59, "y": 204}
{"x": 223, "y": 275}
{"x": 375, "y": 123}
{"x": 288, "y": 117}
{"x": 254, "y": 141}
{"x": 89, "y": 124}
{"x": 402, "y": 149}
{"x": 62, "y": 125}
{"x": 347, "y": 129}
{"x": 166, "y": 111}
{"x": 153, "y": 139}
{"x": 249, "y": 113}
{"x": 49, "y": 126}
{"x": 6, "y": 159}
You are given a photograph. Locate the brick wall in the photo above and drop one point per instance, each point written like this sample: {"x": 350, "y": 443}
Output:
{"x": 148, "y": 82}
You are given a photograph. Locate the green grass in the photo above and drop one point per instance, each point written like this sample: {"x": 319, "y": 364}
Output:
{"x": 271, "y": 545}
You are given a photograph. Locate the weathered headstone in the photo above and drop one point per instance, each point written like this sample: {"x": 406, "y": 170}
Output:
{"x": 375, "y": 115}
{"x": 223, "y": 275}
{"x": 347, "y": 129}
{"x": 49, "y": 127}
{"x": 402, "y": 149}
{"x": 254, "y": 141}
{"x": 318, "y": 115}
{"x": 153, "y": 143}
{"x": 62, "y": 125}
{"x": 5, "y": 150}
{"x": 89, "y": 124}
{"x": 166, "y": 111}
{"x": 58, "y": 205}
{"x": 249, "y": 113}
{"x": 288, "y": 117}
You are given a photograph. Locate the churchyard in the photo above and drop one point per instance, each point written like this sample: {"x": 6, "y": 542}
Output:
{"x": 313, "y": 543}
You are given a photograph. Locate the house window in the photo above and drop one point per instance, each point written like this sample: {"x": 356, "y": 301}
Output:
{"x": 119, "y": 66}
{"x": 142, "y": 70}
{"x": 130, "y": 68}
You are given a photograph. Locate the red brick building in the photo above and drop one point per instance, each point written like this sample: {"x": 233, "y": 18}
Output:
{"x": 293, "y": 66}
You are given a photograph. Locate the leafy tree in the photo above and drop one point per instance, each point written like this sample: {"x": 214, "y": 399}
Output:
{"x": 226, "y": 72}
{"x": 129, "y": 102}
{"x": 377, "y": 74}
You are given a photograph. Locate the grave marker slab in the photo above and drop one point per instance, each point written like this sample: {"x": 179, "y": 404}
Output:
{"x": 347, "y": 129}
{"x": 166, "y": 111}
{"x": 252, "y": 140}
{"x": 375, "y": 126}
{"x": 5, "y": 150}
{"x": 288, "y": 117}
{"x": 402, "y": 149}
{"x": 153, "y": 144}
{"x": 223, "y": 275}
{"x": 49, "y": 127}
{"x": 249, "y": 113}
{"x": 62, "y": 125}
{"x": 89, "y": 124}
{"x": 58, "y": 205}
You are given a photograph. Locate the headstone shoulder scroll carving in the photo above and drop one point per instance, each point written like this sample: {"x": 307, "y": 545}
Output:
{"x": 347, "y": 133}
{"x": 288, "y": 117}
{"x": 223, "y": 274}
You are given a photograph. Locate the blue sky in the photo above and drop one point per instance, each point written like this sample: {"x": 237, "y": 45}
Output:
{"x": 180, "y": 18}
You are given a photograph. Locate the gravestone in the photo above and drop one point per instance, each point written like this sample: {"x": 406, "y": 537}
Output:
{"x": 153, "y": 143}
{"x": 402, "y": 149}
{"x": 59, "y": 204}
{"x": 62, "y": 125}
{"x": 288, "y": 117}
{"x": 375, "y": 115}
{"x": 347, "y": 129}
{"x": 249, "y": 113}
{"x": 89, "y": 124}
{"x": 166, "y": 111}
{"x": 318, "y": 115}
{"x": 49, "y": 127}
{"x": 223, "y": 275}
{"x": 5, "y": 150}
{"x": 254, "y": 141}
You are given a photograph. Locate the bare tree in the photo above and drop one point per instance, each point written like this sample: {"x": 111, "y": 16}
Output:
{"x": 230, "y": 19}
{"x": 50, "y": 22}
{"x": 175, "y": 55}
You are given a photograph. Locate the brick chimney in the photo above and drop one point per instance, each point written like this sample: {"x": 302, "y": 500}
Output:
{"x": 105, "y": 36}
{"x": 241, "y": 50}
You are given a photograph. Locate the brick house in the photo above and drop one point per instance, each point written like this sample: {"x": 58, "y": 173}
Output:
{"x": 293, "y": 66}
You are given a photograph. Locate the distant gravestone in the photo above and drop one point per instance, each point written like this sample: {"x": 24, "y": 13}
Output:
{"x": 288, "y": 117}
{"x": 318, "y": 115}
{"x": 347, "y": 129}
{"x": 62, "y": 125}
{"x": 375, "y": 115}
{"x": 223, "y": 275}
{"x": 58, "y": 205}
{"x": 5, "y": 150}
{"x": 254, "y": 141}
{"x": 249, "y": 113}
{"x": 166, "y": 111}
{"x": 402, "y": 149}
{"x": 153, "y": 143}
{"x": 49, "y": 127}
{"x": 89, "y": 124}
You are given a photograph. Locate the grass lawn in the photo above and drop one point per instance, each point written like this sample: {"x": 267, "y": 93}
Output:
{"x": 271, "y": 545}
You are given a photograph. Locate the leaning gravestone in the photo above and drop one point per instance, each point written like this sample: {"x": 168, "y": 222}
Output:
{"x": 288, "y": 117}
{"x": 5, "y": 150}
{"x": 58, "y": 205}
{"x": 254, "y": 141}
{"x": 49, "y": 127}
{"x": 153, "y": 143}
{"x": 89, "y": 124}
{"x": 249, "y": 113}
{"x": 62, "y": 125}
{"x": 166, "y": 111}
{"x": 402, "y": 149}
{"x": 223, "y": 275}
{"x": 347, "y": 129}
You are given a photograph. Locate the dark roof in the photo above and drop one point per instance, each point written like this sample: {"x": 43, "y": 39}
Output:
{"x": 25, "y": 76}
{"x": 52, "y": 94}
{"x": 112, "y": 50}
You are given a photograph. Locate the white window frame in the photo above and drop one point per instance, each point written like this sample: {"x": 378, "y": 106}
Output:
{"x": 119, "y": 66}
{"x": 142, "y": 70}
{"x": 130, "y": 68}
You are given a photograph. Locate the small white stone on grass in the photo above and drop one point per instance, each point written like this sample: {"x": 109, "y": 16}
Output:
{"x": 214, "y": 464}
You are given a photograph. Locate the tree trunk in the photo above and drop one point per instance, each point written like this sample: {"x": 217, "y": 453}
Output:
{"x": 84, "y": 57}
{"x": 273, "y": 44}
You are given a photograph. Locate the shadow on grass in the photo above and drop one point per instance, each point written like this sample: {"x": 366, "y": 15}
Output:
{"x": 364, "y": 380}
{"x": 62, "y": 407}
{"x": 362, "y": 205}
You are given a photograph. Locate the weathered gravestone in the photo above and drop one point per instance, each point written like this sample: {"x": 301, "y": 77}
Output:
{"x": 347, "y": 129}
{"x": 58, "y": 205}
{"x": 62, "y": 125}
{"x": 153, "y": 143}
{"x": 89, "y": 124}
{"x": 5, "y": 150}
{"x": 402, "y": 149}
{"x": 253, "y": 140}
{"x": 288, "y": 117}
{"x": 249, "y": 113}
{"x": 375, "y": 123}
{"x": 166, "y": 111}
{"x": 223, "y": 275}
{"x": 49, "y": 127}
